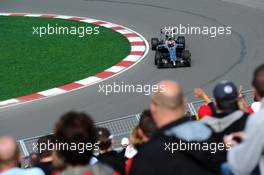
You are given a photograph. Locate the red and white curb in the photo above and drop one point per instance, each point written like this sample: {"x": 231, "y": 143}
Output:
{"x": 139, "y": 49}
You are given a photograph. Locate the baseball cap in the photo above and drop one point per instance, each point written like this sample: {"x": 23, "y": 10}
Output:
{"x": 103, "y": 134}
{"x": 225, "y": 91}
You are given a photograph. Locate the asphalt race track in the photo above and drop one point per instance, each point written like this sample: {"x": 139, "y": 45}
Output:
{"x": 231, "y": 57}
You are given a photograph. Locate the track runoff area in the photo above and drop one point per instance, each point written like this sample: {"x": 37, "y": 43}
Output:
{"x": 54, "y": 51}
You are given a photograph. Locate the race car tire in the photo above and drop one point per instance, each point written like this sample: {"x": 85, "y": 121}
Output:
{"x": 156, "y": 58}
{"x": 186, "y": 54}
{"x": 181, "y": 41}
{"x": 189, "y": 62}
{"x": 158, "y": 64}
{"x": 154, "y": 43}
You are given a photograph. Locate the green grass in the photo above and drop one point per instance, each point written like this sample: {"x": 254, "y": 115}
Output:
{"x": 31, "y": 64}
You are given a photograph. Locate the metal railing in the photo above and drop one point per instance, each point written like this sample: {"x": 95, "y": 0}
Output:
{"x": 120, "y": 127}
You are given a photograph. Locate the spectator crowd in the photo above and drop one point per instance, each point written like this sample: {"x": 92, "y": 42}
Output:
{"x": 225, "y": 138}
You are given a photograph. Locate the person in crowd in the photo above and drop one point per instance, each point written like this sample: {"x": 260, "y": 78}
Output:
{"x": 146, "y": 126}
{"x": 208, "y": 107}
{"x": 141, "y": 134}
{"x": 10, "y": 158}
{"x": 134, "y": 141}
{"x": 124, "y": 142}
{"x": 121, "y": 154}
{"x": 45, "y": 154}
{"x": 158, "y": 156}
{"x": 228, "y": 118}
{"x": 33, "y": 159}
{"x": 106, "y": 153}
{"x": 76, "y": 132}
{"x": 144, "y": 130}
{"x": 242, "y": 104}
{"x": 247, "y": 157}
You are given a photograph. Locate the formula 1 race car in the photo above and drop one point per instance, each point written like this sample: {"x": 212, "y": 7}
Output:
{"x": 162, "y": 56}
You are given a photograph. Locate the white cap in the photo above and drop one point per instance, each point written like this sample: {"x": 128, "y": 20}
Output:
{"x": 124, "y": 142}
{"x": 256, "y": 106}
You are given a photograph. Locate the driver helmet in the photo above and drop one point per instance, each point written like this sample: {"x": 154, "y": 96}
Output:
{"x": 170, "y": 43}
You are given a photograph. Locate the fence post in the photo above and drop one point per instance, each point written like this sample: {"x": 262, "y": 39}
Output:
{"x": 24, "y": 148}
